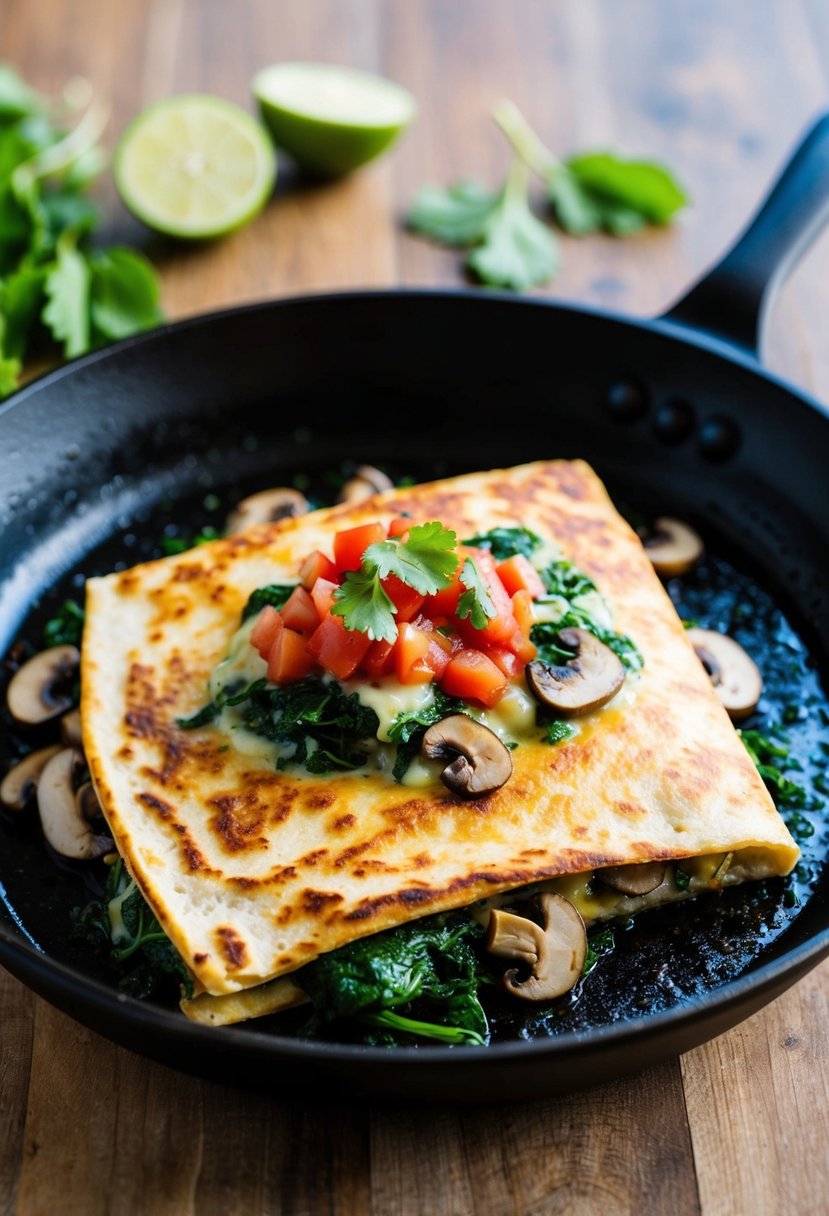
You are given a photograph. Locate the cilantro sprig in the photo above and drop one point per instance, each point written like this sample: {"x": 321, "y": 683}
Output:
{"x": 53, "y": 285}
{"x": 507, "y": 245}
{"x": 425, "y": 561}
{"x": 476, "y": 602}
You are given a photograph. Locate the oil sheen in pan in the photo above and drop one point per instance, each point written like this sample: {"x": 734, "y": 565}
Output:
{"x": 650, "y": 964}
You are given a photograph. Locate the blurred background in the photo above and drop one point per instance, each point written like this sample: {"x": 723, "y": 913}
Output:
{"x": 718, "y": 92}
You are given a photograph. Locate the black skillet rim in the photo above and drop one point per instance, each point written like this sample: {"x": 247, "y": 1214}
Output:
{"x": 55, "y": 980}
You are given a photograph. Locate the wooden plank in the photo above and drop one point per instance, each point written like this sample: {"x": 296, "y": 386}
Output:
{"x": 758, "y": 1105}
{"x": 620, "y": 1149}
{"x": 16, "y": 1017}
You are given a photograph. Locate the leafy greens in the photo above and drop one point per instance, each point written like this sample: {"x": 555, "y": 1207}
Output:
{"x": 53, "y": 284}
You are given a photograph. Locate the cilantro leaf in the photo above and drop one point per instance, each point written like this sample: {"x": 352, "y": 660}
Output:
{"x": 517, "y": 250}
{"x": 67, "y": 290}
{"x": 364, "y": 605}
{"x": 505, "y": 542}
{"x": 426, "y": 561}
{"x": 123, "y": 294}
{"x": 455, "y": 216}
{"x": 476, "y": 602}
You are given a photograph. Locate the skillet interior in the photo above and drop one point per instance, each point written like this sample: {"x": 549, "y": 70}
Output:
{"x": 429, "y": 382}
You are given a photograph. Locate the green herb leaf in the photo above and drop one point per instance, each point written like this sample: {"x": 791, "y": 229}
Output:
{"x": 65, "y": 628}
{"x": 454, "y": 216}
{"x": 124, "y": 294}
{"x": 644, "y": 188}
{"x": 275, "y": 594}
{"x": 476, "y": 602}
{"x": 516, "y": 251}
{"x": 425, "y": 561}
{"x": 558, "y": 731}
{"x": 67, "y": 290}
{"x": 506, "y": 542}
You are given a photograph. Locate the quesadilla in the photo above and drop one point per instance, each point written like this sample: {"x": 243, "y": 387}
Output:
{"x": 260, "y": 848}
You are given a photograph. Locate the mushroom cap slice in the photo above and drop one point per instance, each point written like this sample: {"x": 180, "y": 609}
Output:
{"x": 61, "y": 811}
{"x": 266, "y": 507}
{"x": 20, "y": 782}
{"x": 41, "y": 689}
{"x": 639, "y": 878}
{"x": 673, "y": 546}
{"x": 366, "y": 481}
{"x": 587, "y": 681}
{"x": 555, "y": 951}
{"x": 70, "y": 729}
{"x": 734, "y": 674}
{"x": 479, "y": 762}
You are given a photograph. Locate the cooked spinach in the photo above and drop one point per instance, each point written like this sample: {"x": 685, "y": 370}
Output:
{"x": 771, "y": 756}
{"x": 506, "y": 542}
{"x": 172, "y": 545}
{"x": 558, "y": 731}
{"x": 420, "y": 979}
{"x": 145, "y": 961}
{"x": 65, "y": 628}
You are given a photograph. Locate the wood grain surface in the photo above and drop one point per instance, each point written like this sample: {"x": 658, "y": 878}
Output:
{"x": 721, "y": 92}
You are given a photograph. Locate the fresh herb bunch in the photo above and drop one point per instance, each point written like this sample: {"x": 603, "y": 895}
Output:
{"x": 145, "y": 959}
{"x": 53, "y": 283}
{"x": 419, "y": 980}
{"x": 507, "y": 246}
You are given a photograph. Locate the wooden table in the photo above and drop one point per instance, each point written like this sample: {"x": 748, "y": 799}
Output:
{"x": 740, "y": 1125}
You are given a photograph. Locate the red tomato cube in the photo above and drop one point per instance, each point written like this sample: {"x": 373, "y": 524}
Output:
{"x": 409, "y": 649}
{"x": 337, "y": 649}
{"x": 406, "y": 600}
{"x": 322, "y": 594}
{"x": 289, "y": 659}
{"x": 379, "y": 659}
{"x": 473, "y": 677}
{"x": 350, "y": 545}
{"x": 267, "y": 626}
{"x": 300, "y": 612}
{"x": 315, "y": 566}
{"x": 519, "y": 574}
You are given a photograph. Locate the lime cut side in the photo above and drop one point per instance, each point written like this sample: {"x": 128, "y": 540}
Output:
{"x": 194, "y": 167}
{"x": 331, "y": 119}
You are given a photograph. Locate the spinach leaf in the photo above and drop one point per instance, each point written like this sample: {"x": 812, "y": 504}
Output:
{"x": 147, "y": 960}
{"x": 172, "y": 545}
{"x": 506, "y": 542}
{"x": 427, "y": 972}
{"x": 407, "y": 729}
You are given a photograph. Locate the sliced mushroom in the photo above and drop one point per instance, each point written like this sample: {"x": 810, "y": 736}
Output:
{"x": 266, "y": 507}
{"x": 87, "y": 802}
{"x": 42, "y": 688}
{"x": 638, "y": 879}
{"x": 366, "y": 481}
{"x": 587, "y": 681}
{"x": 70, "y": 729}
{"x": 555, "y": 952}
{"x": 479, "y": 762}
{"x": 62, "y": 813}
{"x": 734, "y": 674}
{"x": 20, "y": 782}
{"x": 673, "y": 547}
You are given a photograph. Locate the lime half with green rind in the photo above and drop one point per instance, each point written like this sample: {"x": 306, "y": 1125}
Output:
{"x": 331, "y": 119}
{"x": 195, "y": 166}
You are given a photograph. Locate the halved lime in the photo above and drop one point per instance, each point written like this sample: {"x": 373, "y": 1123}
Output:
{"x": 194, "y": 166}
{"x": 331, "y": 119}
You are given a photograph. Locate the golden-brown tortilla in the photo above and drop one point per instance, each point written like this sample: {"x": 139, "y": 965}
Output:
{"x": 254, "y": 872}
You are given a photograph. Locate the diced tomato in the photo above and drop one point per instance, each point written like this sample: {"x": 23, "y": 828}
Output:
{"x": 508, "y": 662}
{"x": 265, "y": 630}
{"x": 409, "y": 651}
{"x": 350, "y": 545}
{"x": 399, "y": 526}
{"x": 519, "y": 574}
{"x": 289, "y": 659}
{"x": 300, "y": 612}
{"x": 444, "y": 603}
{"x": 337, "y": 649}
{"x": 522, "y": 647}
{"x": 379, "y": 659}
{"x": 499, "y": 628}
{"x": 322, "y": 593}
{"x": 437, "y": 657}
{"x": 406, "y": 600}
{"x": 522, "y": 610}
{"x": 315, "y": 566}
{"x": 474, "y": 677}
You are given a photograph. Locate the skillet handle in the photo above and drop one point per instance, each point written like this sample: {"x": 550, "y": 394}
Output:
{"x": 730, "y": 302}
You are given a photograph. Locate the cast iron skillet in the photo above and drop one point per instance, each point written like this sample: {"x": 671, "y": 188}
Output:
{"x": 676, "y": 411}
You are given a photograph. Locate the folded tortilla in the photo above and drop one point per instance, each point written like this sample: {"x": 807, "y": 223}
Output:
{"x": 254, "y": 872}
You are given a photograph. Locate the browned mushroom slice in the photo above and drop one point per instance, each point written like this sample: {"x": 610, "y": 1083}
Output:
{"x": 70, "y": 729}
{"x": 20, "y": 782}
{"x": 554, "y": 952}
{"x": 366, "y": 481}
{"x": 62, "y": 811}
{"x": 266, "y": 507}
{"x": 585, "y": 682}
{"x": 734, "y": 674}
{"x": 479, "y": 762}
{"x": 640, "y": 878}
{"x": 673, "y": 547}
{"x": 42, "y": 688}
